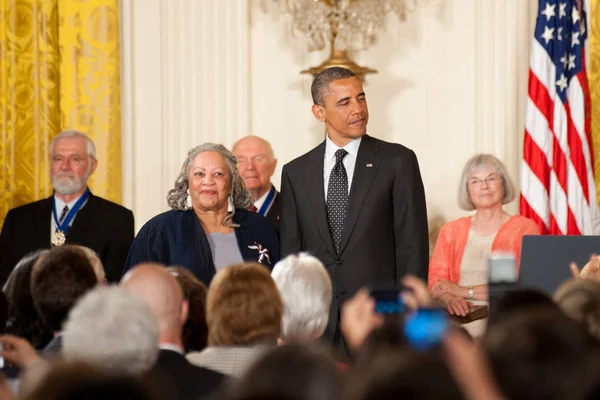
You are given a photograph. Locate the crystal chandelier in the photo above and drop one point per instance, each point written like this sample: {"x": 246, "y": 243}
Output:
{"x": 347, "y": 25}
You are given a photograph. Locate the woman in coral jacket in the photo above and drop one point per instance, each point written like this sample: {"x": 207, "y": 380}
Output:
{"x": 458, "y": 268}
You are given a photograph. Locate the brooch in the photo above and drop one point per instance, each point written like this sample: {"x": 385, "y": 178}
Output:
{"x": 262, "y": 252}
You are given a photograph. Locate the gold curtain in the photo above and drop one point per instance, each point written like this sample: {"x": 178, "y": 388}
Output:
{"x": 594, "y": 77}
{"x": 59, "y": 69}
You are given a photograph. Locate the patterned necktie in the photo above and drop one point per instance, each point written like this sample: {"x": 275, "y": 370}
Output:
{"x": 337, "y": 199}
{"x": 63, "y": 215}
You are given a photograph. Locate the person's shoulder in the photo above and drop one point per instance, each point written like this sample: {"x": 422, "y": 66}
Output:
{"x": 251, "y": 219}
{"x": 457, "y": 224}
{"x": 110, "y": 206}
{"x": 168, "y": 218}
{"x": 26, "y": 209}
{"x": 523, "y": 223}
{"x": 388, "y": 148}
{"x": 300, "y": 162}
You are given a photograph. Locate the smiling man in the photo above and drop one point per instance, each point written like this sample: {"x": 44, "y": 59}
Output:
{"x": 256, "y": 164}
{"x": 71, "y": 215}
{"x": 355, "y": 202}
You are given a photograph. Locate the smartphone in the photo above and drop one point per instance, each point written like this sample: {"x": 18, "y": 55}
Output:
{"x": 425, "y": 328}
{"x": 502, "y": 268}
{"x": 388, "y": 302}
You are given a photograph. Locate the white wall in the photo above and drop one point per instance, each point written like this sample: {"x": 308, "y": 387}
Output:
{"x": 452, "y": 82}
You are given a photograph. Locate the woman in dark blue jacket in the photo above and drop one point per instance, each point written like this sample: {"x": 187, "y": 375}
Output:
{"x": 209, "y": 226}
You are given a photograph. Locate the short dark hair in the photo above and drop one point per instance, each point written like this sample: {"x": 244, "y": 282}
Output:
{"x": 195, "y": 330}
{"x": 321, "y": 82}
{"x": 290, "y": 371}
{"x": 23, "y": 318}
{"x": 59, "y": 278}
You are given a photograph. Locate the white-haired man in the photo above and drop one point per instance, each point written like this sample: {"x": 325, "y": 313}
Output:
{"x": 256, "y": 164}
{"x": 71, "y": 215}
{"x": 153, "y": 284}
{"x": 113, "y": 329}
{"x": 305, "y": 288}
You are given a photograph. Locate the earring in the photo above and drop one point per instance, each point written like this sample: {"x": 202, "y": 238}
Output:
{"x": 188, "y": 201}
{"x": 230, "y": 206}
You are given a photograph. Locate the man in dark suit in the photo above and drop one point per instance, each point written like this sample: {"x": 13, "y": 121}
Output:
{"x": 72, "y": 215}
{"x": 355, "y": 202}
{"x": 162, "y": 293}
{"x": 256, "y": 164}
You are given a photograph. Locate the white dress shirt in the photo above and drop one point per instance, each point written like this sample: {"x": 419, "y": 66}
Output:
{"x": 349, "y": 160}
{"x": 60, "y": 205}
{"x": 259, "y": 203}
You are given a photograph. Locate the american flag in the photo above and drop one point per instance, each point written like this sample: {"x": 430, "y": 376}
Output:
{"x": 557, "y": 173}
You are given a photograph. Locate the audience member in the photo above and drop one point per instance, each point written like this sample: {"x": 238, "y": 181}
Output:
{"x": 195, "y": 331}
{"x": 59, "y": 278}
{"x": 95, "y": 262}
{"x": 113, "y": 329}
{"x": 23, "y": 318}
{"x": 256, "y": 164}
{"x": 291, "y": 371}
{"x": 243, "y": 312}
{"x": 77, "y": 380}
{"x": 72, "y": 214}
{"x": 580, "y": 300}
{"x": 161, "y": 292}
{"x": 305, "y": 288}
{"x": 209, "y": 226}
{"x": 542, "y": 355}
{"x": 458, "y": 267}
{"x": 517, "y": 301}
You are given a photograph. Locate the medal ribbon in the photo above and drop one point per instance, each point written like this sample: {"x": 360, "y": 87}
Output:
{"x": 268, "y": 202}
{"x": 69, "y": 217}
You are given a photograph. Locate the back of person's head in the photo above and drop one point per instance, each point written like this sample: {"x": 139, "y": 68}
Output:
{"x": 401, "y": 374}
{"x": 195, "y": 330}
{"x": 305, "y": 288}
{"x": 114, "y": 329}
{"x": 160, "y": 291}
{"x": 519, "y": 300}
{"x": 292, "y": 371}
{"x": 541, "y": 354}
{"x": 386, "y": 338}
{"x": 74, "y": 381}
{"x": 59, "y": 278}
{"x": 243, "y": 307}
{"x": 95, "y": 262}
{"x": 580, "y": 300}
{"x": 23, "y": 318}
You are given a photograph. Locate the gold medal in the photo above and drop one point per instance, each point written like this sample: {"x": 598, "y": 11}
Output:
{"x": 58, "y": 238}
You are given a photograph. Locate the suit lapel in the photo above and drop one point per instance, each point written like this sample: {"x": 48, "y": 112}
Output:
{"x": 316, "y": 193}
{"x": 83, "y": 220}
{"x": 365, "y": 171}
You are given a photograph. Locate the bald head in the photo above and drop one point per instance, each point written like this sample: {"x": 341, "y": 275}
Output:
{"x": 256, "y": 164}
{"x": 161, "y": 291}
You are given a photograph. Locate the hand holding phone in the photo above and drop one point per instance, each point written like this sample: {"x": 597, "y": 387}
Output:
{"x": 425, "y": 328}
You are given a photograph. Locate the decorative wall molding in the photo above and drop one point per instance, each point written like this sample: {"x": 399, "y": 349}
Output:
{"x": 185, "y": 82}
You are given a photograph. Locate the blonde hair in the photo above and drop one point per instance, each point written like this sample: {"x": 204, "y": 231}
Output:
{"x": 476, "y": 162}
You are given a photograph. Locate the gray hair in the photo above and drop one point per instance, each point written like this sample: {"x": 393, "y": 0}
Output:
{"x": 91, "y": 147}
{"x": 320, "y": 84}
{"x": 114, "y": 329}
{"x": 476, "y": 162}
{"x": 177, "y": 197}
{"x": 305, "y": 288}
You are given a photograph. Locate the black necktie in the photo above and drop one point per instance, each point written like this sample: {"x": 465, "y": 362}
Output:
{"x": 337, "y": 199}
{"x": 63, "y": 215}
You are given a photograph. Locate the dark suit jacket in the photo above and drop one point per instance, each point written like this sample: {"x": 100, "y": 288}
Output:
{"x": 177, "y": 238}
{"x": 184, "y": 380}
{"x": 385, "y": 233}
{"x": 274, "y": 212}
{"x": 103, "y": 226}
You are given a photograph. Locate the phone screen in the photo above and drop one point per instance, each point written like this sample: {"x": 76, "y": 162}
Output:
{"x": 425, "y": 328}
{"x": 502, "y": 268}
{"x": 388, "y": 302}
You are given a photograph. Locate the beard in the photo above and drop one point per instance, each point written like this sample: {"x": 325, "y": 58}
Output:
{"x": 67, "y": 183}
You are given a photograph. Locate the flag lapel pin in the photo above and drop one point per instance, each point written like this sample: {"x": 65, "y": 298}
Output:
{"x": 369, "y": 165}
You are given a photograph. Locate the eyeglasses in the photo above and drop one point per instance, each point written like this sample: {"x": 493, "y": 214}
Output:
{"x": 489, "y": 181}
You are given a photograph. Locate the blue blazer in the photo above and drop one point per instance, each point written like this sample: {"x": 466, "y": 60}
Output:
{"x": 177, "y": 238}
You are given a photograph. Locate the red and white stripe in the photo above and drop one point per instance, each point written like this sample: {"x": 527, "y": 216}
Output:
{"x": 558, "y": 190}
